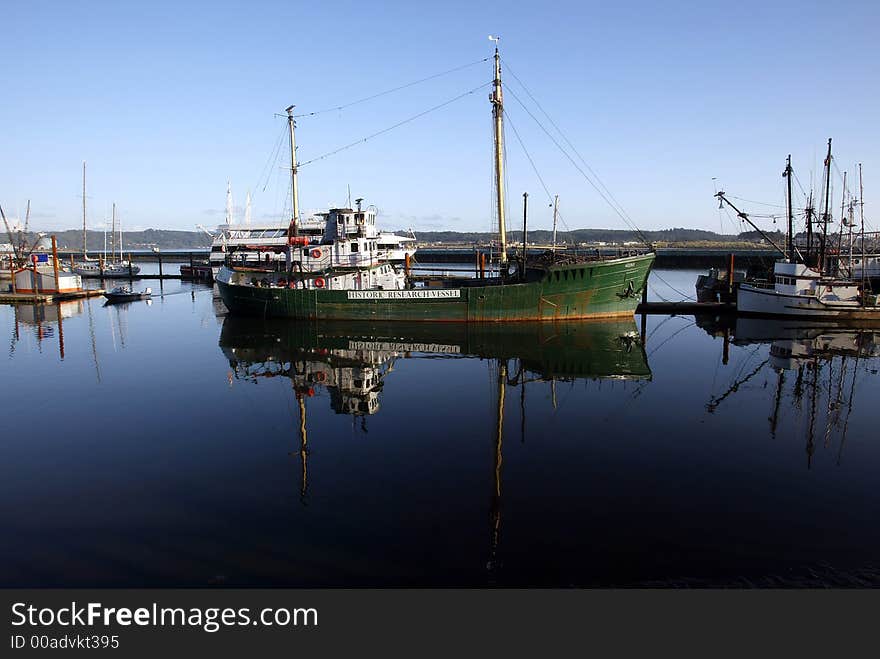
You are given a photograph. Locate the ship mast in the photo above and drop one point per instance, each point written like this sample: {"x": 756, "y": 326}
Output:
{"x": 84, "y": 209}
{"x": 790, "y": 245}
{"x": 498, "y": 115}
{"x": 862, "y": 218}
{"x": 826, "y": 215}
{"x": 295, "y": 189}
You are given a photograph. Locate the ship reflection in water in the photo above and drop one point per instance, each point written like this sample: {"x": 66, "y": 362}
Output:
{"x": 351, "y": 361}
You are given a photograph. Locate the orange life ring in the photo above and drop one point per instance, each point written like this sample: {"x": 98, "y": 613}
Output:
{"x": 319, "y": 282}
{"x": 316, "y": 253}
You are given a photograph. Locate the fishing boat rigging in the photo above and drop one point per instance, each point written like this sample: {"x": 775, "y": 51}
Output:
{"x": 807, "y": 284}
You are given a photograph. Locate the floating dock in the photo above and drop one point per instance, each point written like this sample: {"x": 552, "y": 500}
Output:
{"x": 45, "y": 298}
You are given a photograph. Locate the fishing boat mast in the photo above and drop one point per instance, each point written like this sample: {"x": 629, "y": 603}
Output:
{"x": 497, "y": 100}
{"x": 826, "y": 216}
{"x": 862, "y": 218}
{"x": 790, "y": 242}
{"x": 295, "y": 189}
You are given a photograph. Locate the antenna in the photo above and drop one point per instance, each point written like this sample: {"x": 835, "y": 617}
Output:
{"x": 495, "y": 39}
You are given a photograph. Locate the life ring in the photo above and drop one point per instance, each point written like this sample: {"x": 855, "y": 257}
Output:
{"x": 319, "y": 282}
{"x": 316, "y": 253}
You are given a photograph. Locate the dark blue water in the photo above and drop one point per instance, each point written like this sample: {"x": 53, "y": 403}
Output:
{"x": 168, "y": 447}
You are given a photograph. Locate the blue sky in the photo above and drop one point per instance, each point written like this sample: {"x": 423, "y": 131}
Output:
{"x": 166, "y": 101}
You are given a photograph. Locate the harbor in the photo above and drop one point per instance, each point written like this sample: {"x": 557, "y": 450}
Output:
{"x": 379, "y": 322}
{"x": 299, "y": 440}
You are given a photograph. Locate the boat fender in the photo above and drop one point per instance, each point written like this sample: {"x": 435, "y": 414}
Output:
{"x": 319, "y": 282}
{"x": 316, "y": 253}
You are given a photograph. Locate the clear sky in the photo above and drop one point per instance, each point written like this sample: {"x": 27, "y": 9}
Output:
{"x": 167, "y": 100}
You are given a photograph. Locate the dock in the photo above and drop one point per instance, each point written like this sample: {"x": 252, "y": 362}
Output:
{"x": 46, "y": 298}
{"x": 689, "y": 308}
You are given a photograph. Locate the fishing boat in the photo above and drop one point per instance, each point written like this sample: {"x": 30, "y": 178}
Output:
{"x": 102, "y": 268}
{"x": 125, "y": 294}
{"x": 342, "y": 278}
{"x": 807, "y": 285}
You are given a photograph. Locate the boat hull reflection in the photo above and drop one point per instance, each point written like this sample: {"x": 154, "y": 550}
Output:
{"x": 565, "y": 350}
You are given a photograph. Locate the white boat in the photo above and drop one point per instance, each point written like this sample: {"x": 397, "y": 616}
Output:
{"x": 798, "y": 290}
{"x": 806, "y": 291}
{"x": 265, "y": 244}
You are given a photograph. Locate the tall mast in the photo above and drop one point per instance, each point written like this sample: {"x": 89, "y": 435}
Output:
{"x": 230, "y": 207}
{"x": 862, "y": 218}
{"x": 84, "y": 209}
{"x": 293, "y": 184}
{"x": 826, "y": 216}
{"x": 247, "y": 210}
{"x": 790, "y": 245}
{"x": 113, "y": 233}
{"x": 555, "y": 209}
{"x": 498, "y": 114}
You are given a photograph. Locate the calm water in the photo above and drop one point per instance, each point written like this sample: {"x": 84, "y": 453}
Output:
{"x": 172, "y": 445}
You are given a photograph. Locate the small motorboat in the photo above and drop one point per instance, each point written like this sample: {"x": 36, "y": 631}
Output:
{"x": 125, "y": 294}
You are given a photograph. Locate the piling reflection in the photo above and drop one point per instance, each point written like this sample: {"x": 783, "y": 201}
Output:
{"x": 816, "y": 367}
{"x": 46, "y": 321}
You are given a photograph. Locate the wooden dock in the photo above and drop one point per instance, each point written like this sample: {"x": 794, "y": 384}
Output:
{"x": 46, "y": 298}
{"x": 685, "y": 308}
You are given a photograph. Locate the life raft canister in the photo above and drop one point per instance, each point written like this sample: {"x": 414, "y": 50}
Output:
{"x": 319, "y": 282}
{"x": 316, "y": 253}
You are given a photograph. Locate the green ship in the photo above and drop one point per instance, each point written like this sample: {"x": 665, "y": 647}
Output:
{"x": 341, "y": 276}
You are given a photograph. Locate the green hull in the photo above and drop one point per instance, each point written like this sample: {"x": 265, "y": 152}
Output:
{"x": 596, "y": 289}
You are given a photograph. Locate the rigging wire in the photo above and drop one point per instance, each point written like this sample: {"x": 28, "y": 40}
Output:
{"x": 534, "y": 167}
{"x": 390, "y": 128}
{"x": 617, "y": 210}
{"x": 617, "y": 206}
{"x": 389, "y": 91}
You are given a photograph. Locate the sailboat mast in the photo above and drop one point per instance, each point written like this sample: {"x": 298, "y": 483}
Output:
{"x": 293, "y": 183}
{"x": 825, "y": 216}
{"x": 113, "y": 233}
{"x": 790, "y": 245}
{"x": 498, "y": 115}
{"x": 84, "y": 208}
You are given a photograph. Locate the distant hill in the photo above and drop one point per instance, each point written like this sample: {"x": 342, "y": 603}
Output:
{"x": 71, "y": 239}
{"x": 619, "y": 236}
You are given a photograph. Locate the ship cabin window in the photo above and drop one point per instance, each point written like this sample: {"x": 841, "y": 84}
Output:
{"x": 354, "y": 247}
{"x": 786, "y": 281}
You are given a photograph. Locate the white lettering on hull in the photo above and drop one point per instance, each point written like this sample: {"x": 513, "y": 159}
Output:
{"x": 386, "y": 346}
{"x": 427, "y": 294}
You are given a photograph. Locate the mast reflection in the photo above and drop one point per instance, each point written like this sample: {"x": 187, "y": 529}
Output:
{"x": 825, "y": 360}
{"x": 353, "y": 360}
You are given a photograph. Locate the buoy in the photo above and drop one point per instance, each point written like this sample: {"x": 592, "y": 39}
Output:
{"x": 319, "y": 282}
{"x": 316, "y": 253}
